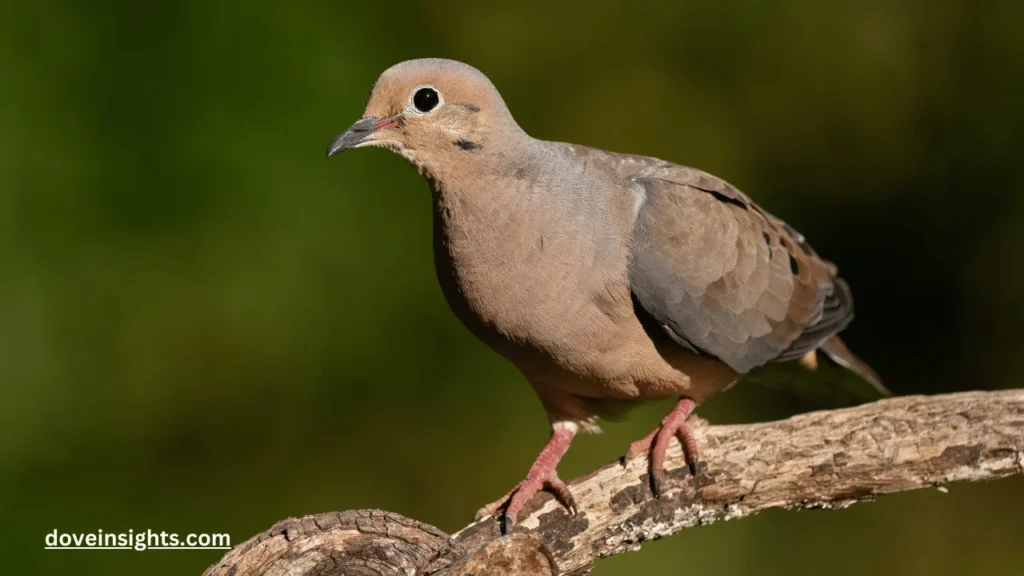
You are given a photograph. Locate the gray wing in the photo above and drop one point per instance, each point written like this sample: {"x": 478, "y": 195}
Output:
{"x": 726, "y": 278}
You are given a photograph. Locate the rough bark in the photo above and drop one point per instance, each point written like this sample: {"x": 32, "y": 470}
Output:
{"x": 828, "y": 459}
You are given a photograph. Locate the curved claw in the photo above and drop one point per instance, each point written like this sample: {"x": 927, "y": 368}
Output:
{"x": 689, "y": 444}
{"x": 494, "y": 507}
{"x": 508, "y": 523}
{"x": 514, "y": 501}
{"x": 562, "y": 494}
{"x": 542, "y": 476}
{"x": 656, "y": 444}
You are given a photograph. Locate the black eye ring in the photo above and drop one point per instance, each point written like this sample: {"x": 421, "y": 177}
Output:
{"x": 426, "y": 99}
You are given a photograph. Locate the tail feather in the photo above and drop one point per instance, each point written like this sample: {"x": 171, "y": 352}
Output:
{"x": 838, "y": 352}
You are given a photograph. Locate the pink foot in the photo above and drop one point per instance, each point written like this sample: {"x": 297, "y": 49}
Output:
{"x": 656, "y": 443}
{"x": 542, "y": 476}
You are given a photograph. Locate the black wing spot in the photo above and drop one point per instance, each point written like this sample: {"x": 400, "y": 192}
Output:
{"x": 467, "y": 145}
{"x": 705, "y": 185}
{"x": 767, "y": 238}
{"x": 793, "y": 265}
{"x": 727, "y": 199}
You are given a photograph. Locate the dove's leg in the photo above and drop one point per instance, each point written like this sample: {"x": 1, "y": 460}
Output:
{"x": 656, "y": 443}
{"x": 542, "y": 476}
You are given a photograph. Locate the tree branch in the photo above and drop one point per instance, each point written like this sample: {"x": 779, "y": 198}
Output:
{"x": 828, "y": 459}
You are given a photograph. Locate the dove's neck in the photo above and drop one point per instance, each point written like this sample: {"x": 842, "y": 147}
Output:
{"x": 505, "y": 189}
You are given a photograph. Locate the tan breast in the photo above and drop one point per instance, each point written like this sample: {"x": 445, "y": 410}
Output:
{"x": 525, "y": 278}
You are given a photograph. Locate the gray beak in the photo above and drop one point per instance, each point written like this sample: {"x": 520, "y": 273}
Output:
{"x": 357, "y": 134}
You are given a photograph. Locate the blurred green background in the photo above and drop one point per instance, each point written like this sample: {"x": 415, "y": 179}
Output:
{"x": 206, "y": 327}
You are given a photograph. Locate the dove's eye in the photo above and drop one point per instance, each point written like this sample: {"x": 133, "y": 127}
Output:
{"x": 426, "y": 99}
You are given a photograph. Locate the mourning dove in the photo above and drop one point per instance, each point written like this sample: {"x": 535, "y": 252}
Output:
{"x": 607, "y": 279}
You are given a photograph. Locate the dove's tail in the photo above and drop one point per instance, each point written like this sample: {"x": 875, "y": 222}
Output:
{"x": 838, "y": 352}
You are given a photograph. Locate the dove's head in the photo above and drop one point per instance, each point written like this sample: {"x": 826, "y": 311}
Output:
{"x": 432, "y": 111}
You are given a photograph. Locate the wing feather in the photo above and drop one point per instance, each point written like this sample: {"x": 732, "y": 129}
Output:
{"x": 724, "y": 277}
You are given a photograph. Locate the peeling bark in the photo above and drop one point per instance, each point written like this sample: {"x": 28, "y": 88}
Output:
{"x": 828, "y": 459}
